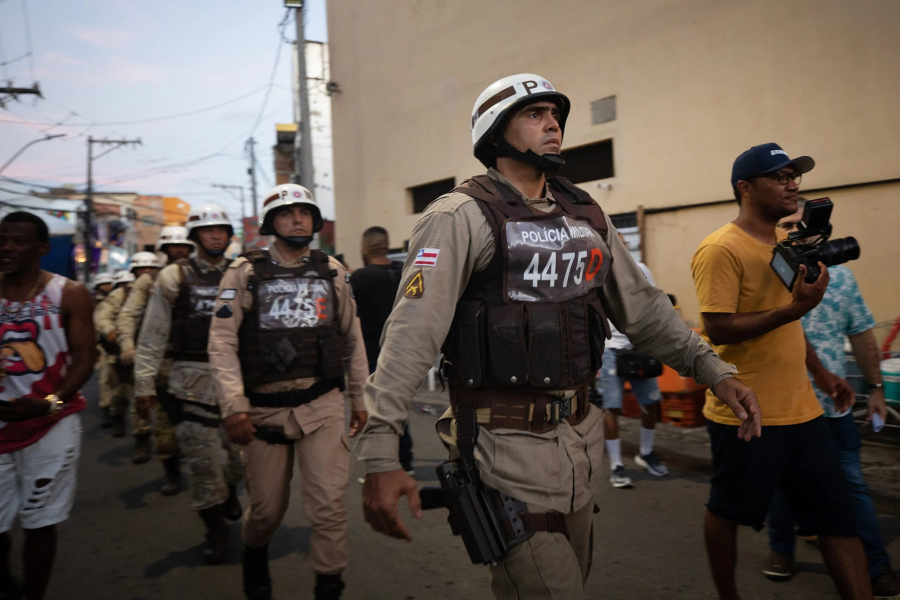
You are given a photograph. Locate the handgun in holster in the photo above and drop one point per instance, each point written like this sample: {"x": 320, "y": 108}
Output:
{"x": 489, "y": 522}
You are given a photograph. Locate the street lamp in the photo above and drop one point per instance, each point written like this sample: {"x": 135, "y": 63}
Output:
{"x": 25, "y": 147}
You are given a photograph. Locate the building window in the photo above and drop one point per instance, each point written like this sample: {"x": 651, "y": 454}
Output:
{"x": 603, "y": 110}
{"x": 589, "y": 163}
{"x": 148, "y": 221}
{"x": 423, "y": 195}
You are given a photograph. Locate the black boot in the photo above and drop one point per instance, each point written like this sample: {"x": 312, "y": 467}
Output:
{"x": 141, "y": 449}
{"x": 172, "y": 485}
{"x": 107, "y": 419}
{"x": 217, "y": 533}
{"x": 257, "y": 583}
{"x": 233, "y": 510}
{"x": 118, "y": 425}
{"x": 328, "y": 587}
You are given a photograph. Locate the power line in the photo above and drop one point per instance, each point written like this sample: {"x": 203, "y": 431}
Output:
{"x": 281, "y": 41}
{"x": 139, "y": 121}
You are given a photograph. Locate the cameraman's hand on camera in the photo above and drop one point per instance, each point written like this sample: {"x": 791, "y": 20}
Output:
{"x": 808, "y": 295}
{"x": 837, "y": 389}
{"x": 742, "y": 401}
{"x": 381, "y": 492}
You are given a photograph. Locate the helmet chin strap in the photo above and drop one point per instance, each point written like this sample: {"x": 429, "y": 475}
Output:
{"x": 295, "y": 241}
{"x": 547, "y": 163}
{"x": 214, "y": 253}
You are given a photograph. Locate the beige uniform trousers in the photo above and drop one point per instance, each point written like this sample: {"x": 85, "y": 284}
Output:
{"x": 548, "y": 566}
{"x": 323, "y": 457}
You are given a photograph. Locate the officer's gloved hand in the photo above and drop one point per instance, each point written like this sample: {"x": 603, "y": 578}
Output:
{"x": 127, "y": 357}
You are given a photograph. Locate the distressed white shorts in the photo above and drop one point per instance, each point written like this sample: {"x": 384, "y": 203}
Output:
{"x": 52, "y": 461}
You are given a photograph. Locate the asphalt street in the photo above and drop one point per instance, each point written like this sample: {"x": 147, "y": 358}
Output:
{"x": 125, "y": 541}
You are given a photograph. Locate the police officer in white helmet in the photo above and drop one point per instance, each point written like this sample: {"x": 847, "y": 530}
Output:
{"x": 285, "y": 341}
{"x": 180, "y": 311}
{"x": 512, "y": 275}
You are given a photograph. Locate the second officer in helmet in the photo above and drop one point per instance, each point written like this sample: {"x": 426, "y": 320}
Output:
{"x": 285, "y": 342}
{"x": 177, "y": 319}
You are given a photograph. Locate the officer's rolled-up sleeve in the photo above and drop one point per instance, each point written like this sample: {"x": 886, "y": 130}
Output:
{"x": 645, "y": 315}
{"x": 155, "y": 331}
{"x": 417, "y": 327}
{"x": 223, "y": 340}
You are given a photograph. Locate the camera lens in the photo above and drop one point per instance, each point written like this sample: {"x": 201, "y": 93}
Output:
{"x": 839, "y": 251}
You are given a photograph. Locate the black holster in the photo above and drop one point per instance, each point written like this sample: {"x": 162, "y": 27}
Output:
{"x": 170, "y": 404}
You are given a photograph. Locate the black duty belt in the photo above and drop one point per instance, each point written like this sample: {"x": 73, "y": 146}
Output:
{"x": 293, "y": 398}
{"x": 205, "y": 421}
{"x": 271, "y": 436}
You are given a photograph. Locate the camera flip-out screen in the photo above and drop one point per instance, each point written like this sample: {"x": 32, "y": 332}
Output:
{"x": 784, "y": 270}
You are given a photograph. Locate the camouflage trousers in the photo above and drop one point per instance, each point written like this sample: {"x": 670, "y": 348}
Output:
{"x": 165, "y": 441}
{"x": 106, "y": 381}
{"x": 213, "y": 463}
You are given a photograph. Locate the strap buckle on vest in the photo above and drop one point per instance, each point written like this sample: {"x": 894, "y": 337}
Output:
{"x": 560, "y": 410}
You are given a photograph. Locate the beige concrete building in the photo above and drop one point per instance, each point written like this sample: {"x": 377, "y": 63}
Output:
{"x": 665, "y": 94}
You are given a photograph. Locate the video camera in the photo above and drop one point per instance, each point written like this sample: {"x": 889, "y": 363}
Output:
{"x": 809, "y": 245}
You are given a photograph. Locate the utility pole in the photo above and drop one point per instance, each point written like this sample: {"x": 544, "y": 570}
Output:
{"x": 252, "y": 172}
{"x": 89, "y": 196}
{"x": 240, "y": 188}
{"x": 303, "y": 163}
{"x": 14, "y": 92}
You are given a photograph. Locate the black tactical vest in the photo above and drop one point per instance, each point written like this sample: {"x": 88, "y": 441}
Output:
{"x": 532, "y": 321}
{"x": 291, "y": 332}
{"x": 192, "y": 314}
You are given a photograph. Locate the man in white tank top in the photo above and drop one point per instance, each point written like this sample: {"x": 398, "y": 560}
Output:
{"x": 47, "y": 353}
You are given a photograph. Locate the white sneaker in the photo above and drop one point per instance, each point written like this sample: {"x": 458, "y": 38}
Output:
{"x": 618, "y": 479}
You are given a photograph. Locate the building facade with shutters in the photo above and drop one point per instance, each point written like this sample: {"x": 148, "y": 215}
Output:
{"x": 665, "y": 95}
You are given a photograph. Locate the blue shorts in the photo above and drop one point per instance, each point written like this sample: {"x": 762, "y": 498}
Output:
{"x": 611, "y": 385}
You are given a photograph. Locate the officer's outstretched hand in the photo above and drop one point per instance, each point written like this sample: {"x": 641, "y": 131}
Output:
{"x": 381, "y": 492}
{"x": 239, "y": 428}
{"x": 358, "y": 422}
{"x": 742, "y": 401}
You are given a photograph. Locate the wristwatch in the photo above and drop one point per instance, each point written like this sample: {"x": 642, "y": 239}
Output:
{"x": 876, "y": 386}
{"x": 55, "y": 404}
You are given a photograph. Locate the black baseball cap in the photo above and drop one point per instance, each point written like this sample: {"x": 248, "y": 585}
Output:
{"x": 766, "y": 158}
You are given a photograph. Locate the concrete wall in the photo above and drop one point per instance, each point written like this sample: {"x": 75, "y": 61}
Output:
{"x": 697, "y": 82}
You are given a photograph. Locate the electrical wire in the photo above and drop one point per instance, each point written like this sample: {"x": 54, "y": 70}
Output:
{"x": 150, "y": 120}
{"x": 281, "y": 41}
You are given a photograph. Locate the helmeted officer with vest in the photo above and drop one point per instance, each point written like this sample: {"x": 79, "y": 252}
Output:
{"x": 176, "y": 325}
{"x": 285, "y": 342}
{"x": 513, "y": 276}
{"x": 172, "y": 244}
{"x": 121, "y": 377}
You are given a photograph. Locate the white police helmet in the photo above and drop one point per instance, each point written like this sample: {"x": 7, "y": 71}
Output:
{"x": 287, "y": 194}
{"x": 500, "y": 99}
{"x": 172, "y": 234}
{"x": 207, "y": 215}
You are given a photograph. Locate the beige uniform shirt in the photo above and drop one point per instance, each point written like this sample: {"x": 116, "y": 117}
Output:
{"x": 549, "y": 469}
{"x": 107, "y": 311}
{"x": 99, "y": 311}
{"x": 188, "y": 380}
{"x": 226, "y": 368}
{"x": 129, "y": 318}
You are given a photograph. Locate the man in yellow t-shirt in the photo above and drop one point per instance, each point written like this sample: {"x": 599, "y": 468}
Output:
{"x": 753, "y": 321}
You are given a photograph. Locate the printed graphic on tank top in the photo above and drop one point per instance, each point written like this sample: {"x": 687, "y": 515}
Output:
{"x": 35, "y": 352}
{"x": 295, "y": 302}
{"x": 552, "y": 258}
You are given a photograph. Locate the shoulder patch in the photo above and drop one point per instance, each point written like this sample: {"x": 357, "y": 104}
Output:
{"x": 416, "y": 287}
{"x": 427, "y": 257}
{"x": 225, "y": 312}
{"x": 229, "y": 294}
